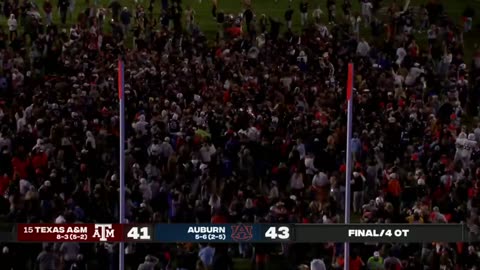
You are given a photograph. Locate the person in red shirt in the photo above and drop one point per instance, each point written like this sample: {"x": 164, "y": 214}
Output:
{"x": 394, "y": 190}
{"x": 40, "y": 160}
{"x": 20, "y": 166}
{"x": 356, "y": 262}
{"x": 219, "y": 218}
{"x": 234, "y": 32}
{"x": 413, "y": 49}
{"x": 4, "y": 183}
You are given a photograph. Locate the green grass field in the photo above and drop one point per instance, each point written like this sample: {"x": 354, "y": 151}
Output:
{"x": 273, "y": 8}
{"x": 276, "y": 9}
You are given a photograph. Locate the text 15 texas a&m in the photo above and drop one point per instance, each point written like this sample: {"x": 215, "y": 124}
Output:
{"x": 70, "y": 232}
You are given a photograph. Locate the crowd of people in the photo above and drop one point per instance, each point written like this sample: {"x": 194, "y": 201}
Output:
{"x": 249, "y": 129}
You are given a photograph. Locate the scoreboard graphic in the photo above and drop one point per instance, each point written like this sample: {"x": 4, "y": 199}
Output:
{"x": 232, "y": 233}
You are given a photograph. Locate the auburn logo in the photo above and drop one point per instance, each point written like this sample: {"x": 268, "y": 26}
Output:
{"x": 242, "y": 232}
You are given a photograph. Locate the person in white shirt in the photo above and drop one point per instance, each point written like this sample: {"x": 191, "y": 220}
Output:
{"x": 149, "y": 264}
{"x": 401, "y": 53}
{"x": 261, "y": 40}
{"x": 413, "y": 74}
{"x": 215, "y": 203}
{"x": 141, "y": 125}
{"x": 317, "y": 264}
{"x": 21, "y": 121}
{"x": 12, "y": 27}
{"x": 166, "y": 149}
{"x": 60, "y": 220}
{"x": 397, "y": 79}
{"x": 25, "y": 186}
{"x": 71, "y": 8}
{"x": 309, "y": 162}
{"x": 301, "y": 149}
{"x": 253, "y": 134}
{"x": 206, "y": 254}
{"x": 355, "y": 21}
{"x": 154, "y": 149}
{"x": 460, "y": 143}
{"x": 296, "y": 181}
{"x": 320, "y": 180}
{"x": 70, "y": 252}
{"x": 476, "y": 131}
{"x": 317, "y": 14}
{"x": 323, "y": 30}
{"x": 273, "y": 193}
{"x": 90, "y": 141}
{"x": 144, "y": 188}
{"x": 367, "y": 12}
{"x": 363, "y": 48}
{"x": 206, "y": 152}
{"x": 444, "y": 65}
{"x": 470, "y": 144}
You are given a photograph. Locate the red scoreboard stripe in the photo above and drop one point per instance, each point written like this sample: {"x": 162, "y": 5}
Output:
{"x": 70, "y": 232}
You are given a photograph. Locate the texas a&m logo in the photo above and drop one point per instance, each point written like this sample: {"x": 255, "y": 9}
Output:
{"x": 242, "y": 232}
{"x": 103, "y": 232}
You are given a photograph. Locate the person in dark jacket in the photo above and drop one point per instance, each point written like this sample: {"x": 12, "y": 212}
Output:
{"x": 303, "y": 12}
{"x": 358, "y": 185}
{"x": 63, "y": 7}
{"x": 125, "y": 19}
{"x": 115, "y": 7}
{"x": 288, "y": 17}
{"x": 248, "y": 15}
{"x": 221, "y": 259}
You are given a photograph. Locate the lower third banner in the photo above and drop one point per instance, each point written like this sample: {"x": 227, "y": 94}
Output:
{"x": 70, "y": 232}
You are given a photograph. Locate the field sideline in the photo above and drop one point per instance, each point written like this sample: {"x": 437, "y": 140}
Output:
{"x": 275, "y": 9}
